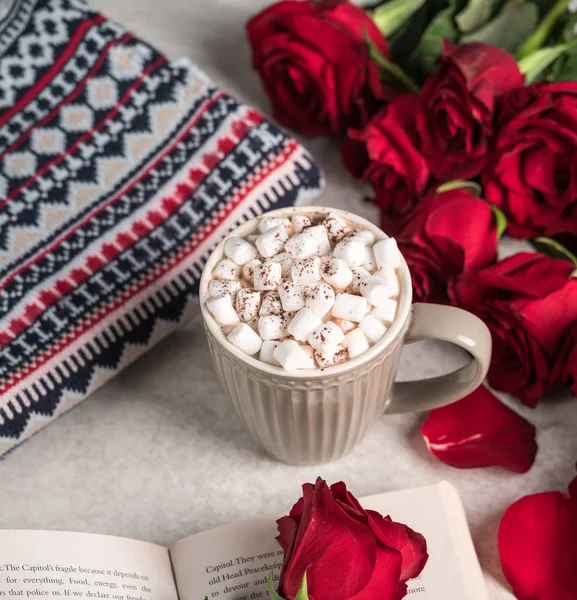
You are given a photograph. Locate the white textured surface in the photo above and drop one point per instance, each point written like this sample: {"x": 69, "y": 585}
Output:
{"x": 158, "y": 454}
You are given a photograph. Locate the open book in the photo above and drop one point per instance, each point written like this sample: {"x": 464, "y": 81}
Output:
{"x": 229, "y": 563}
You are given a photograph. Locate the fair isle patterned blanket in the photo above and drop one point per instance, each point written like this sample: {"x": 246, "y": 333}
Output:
{"x": 120, "y": 170}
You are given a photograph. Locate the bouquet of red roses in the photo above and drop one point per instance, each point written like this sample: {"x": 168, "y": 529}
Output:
{"x": 461, "y": 117}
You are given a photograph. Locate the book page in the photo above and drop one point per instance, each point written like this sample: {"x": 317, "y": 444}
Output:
{"x": 233, "y": 562}
{"x": 53, "y": 565}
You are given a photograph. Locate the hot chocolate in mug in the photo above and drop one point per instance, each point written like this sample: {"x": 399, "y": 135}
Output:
{"x": 306, "y": 417}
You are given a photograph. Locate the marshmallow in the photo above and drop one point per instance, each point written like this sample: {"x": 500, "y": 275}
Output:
{"x": 226, "y": 269}
{"x": 362, "y": 235}
{"x": 303, "y": 324}
{"x": 272, "y": 327}
{"x": 320, "y": 299}
{"x": 351, "y": 251}
{"x": 267, "y": 276}
{"x": 220, "y": 288}
{"x": 372, "y": 328}
{"x": 239, "y": 250}
{"x": 375, "y": 290}
{"x": 267, "y": 223}
{"x": 389, "y": 276}
{"x": 369, "y": 260}
{"x": 290, "y": 355}
{"x": 301, "y": 246}
{"x": 271, "y": 242}
{"x": 291, "y": 296}
{"x": 248, "y": 268}
{"x": 251, "y": 239}
{"x": 319, "y": 234}
{"x": 247, "y": 304}
{"x": 306, "y": 270}
{"x": 358, "y": 275}
{"x": 327, "y": 336}
{"x": 245, "y": 338}
{"x": 349, "y": 307}
{"x": 356, "y": 342}
{"x": 285, "y": 261}
{"x": 267, "y": 351}
{"x": 336, "y": 227}
{"x": 387, "y": 253}
{"x": 345, "y": 325}
{"x": 222, "y": 310}
{"x": 299, "y": 222}
{"x": 386, "y": 312}
{"x": 331, "y": 357}
{"x": 309, "y": 358}
{"x": 271, "y": 304}
{"x": 337, "y": 273}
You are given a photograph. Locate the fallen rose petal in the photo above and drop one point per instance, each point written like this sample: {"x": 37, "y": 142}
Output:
{"x": 573, "y": 488}
{"x": 480, "y": 431}
{"x": 538, "y": 547}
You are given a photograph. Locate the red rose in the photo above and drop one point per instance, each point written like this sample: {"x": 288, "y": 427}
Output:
{"x": 528, "y": 302}
{"x": 532, "y": 174}
{"x": 480, "y": 431}
{"x": 315, "y": 66}
{"x": 538, "y": 546}
{"x": 448, "y": 234}
{"x": 347, "y": 552}
{"x": 386, "y": 154}
{"x": 566, "y": 366}
{"x": 458, "y": 101}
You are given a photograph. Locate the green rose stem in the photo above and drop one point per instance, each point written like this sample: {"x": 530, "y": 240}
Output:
{"x": 391, "y": 15}
{"x": 391, "y": 68}
{"x": 461, "y": 184}
{"x": 500, "y": 220}
{"x": 542, "y": 31}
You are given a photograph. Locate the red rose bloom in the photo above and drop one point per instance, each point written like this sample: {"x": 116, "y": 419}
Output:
{"x": 458, "y": 102}
{"x": 528, "y": 302}
{"x": 315, "y": 66}
{"x": 480, "y": 431}
{"x": 386, "y": 154}
{"x": 532, "y": 174}
{"x": 538, "y": 546}
{"x": 566, "y": 367}
{"x": 348, "y": 553}
{"x": 448, "y": 234}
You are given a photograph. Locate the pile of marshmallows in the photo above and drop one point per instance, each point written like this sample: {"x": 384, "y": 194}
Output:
{"x": 305, "y": 294}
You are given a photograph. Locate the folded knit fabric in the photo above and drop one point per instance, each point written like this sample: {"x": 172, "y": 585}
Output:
{"x": 120, "y": 170}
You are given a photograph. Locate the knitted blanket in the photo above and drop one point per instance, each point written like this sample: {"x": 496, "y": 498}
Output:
{"x": 120, "y": 170}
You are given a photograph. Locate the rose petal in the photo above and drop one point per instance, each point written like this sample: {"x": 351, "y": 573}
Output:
{"x": 538, "y": 547}
{"x": 327, "y": 539}
{"x": 573, "y": 488}
{"x": 409, "y": 543}
{"x": 480, "y": 431}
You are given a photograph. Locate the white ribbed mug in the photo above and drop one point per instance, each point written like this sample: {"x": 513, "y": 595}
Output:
{"x": 312, "y": 416}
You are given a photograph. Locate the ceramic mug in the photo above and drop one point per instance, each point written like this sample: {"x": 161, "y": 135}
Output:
{"x": 316, "y": 416}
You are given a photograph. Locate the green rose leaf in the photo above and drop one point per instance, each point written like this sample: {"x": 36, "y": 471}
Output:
{"x": 533, "y": 65}
{"x": 500, "y": 220}
{"x": 541, "y": 34}
{"x": 271, "y": 591}
{"x": 509, "y": 29}
{"x": 393, "y": 14}
{"x": 554, "y": 249}
{"x": 475, "y": 14}
{"x": 425, "y": 57}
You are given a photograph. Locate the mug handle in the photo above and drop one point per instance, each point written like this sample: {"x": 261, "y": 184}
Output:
{"x": 449, "y": 324}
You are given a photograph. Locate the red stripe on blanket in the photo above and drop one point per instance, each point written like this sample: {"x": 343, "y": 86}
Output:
{"x": 88, "y": 134}
{"x": 66, "y": 100}
{"x": 158, "y": 271}
{"x": 56, "y": 67}
{"x": 98, "y": 209}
